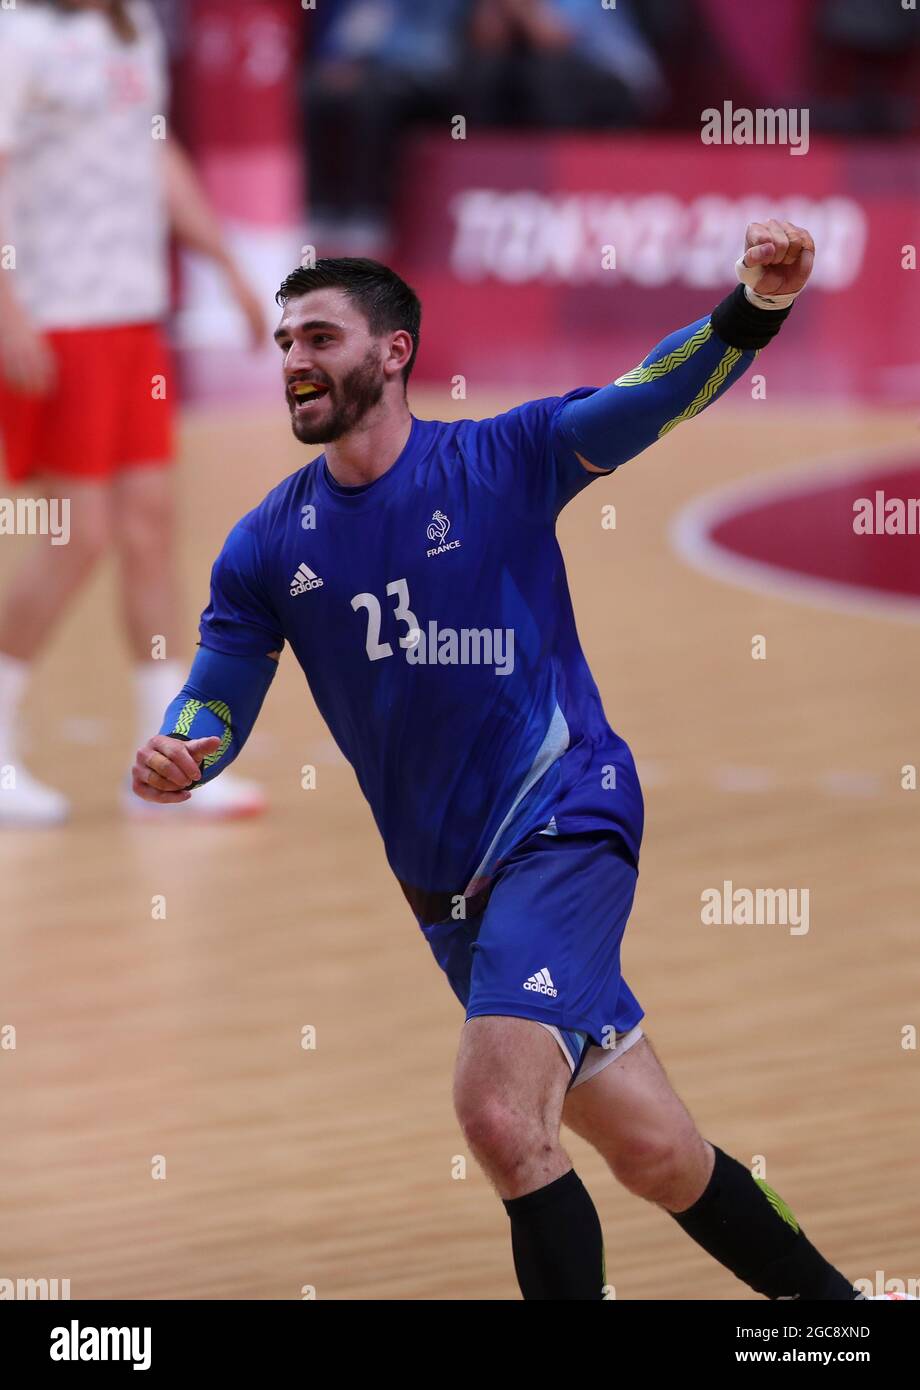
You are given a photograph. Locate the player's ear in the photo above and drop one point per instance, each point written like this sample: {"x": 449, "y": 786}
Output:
{"x": 400, "y": 352}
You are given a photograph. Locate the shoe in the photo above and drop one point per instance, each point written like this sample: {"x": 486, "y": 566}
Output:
{"x": 226, "y": 798}
{"x": 912, "y": 1297}
{"x": 30, "y": 805}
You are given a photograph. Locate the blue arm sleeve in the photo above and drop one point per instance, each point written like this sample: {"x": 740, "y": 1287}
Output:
{"x": 678, "y": 379}
{"x": 222, "y": 696}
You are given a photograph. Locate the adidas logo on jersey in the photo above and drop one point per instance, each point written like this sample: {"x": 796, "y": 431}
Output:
{"x": 303, "y": 580}
{"x": 542, "y": 983}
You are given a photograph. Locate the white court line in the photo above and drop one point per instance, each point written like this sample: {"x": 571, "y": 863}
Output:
{"x": 748, "y": 780}
{"x": 732, "y": 778}
{"x": 86, "y": 729}
{"x": 690, "y": 534}
{"x": 852, "y": 783}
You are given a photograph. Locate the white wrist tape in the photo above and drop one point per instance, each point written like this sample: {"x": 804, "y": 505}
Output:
{"x": 749, "y": 275}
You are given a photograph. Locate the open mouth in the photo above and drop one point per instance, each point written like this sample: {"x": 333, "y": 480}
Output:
{"x": 304, "y": 394}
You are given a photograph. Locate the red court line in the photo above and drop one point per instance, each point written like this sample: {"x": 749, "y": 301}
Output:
{"x": 794, "y": 533}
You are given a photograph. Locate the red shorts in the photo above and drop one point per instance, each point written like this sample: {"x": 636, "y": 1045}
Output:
{"x": 107, "y": 410}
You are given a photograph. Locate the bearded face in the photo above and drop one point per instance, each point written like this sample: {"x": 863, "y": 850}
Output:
{"x": 324, "y": 408}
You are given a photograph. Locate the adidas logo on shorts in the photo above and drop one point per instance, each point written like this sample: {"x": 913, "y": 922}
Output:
{"x": 542, "y": 983}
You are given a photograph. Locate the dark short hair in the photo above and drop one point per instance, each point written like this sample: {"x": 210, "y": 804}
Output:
{"x": 117, "y": 11}
{"x": 386, "y": 301}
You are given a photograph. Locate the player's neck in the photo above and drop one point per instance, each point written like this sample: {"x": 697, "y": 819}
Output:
{"x": 367, "y": 452}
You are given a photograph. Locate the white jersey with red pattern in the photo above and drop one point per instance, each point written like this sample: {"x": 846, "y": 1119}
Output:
{"x": 81, "y": 190}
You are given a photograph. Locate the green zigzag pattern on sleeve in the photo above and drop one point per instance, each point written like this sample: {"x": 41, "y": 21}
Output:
{"x": 185, "y": 718}
{"x": 719, "y": 377}
{"x": 640, "y": 375}
{"x": 777, "y": 1203}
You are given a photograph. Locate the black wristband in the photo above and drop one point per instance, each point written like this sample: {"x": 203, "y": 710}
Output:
{"x": 740, "y": 324}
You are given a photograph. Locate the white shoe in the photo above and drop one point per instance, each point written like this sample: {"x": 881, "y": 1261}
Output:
{"x": 29, "y": 804}
{"x": 225, "y": 798}
{"x": 912, "y": 1297}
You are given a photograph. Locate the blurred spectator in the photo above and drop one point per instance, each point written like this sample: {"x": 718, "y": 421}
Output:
{"x": 868, "y": 68}
{"x": 374, "y": 66}
{"x": 559, "y": 64}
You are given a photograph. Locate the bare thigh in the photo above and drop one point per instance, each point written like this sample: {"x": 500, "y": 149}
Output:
{"x": 509, "y": 1089}
{"x": 631, "y": 1114}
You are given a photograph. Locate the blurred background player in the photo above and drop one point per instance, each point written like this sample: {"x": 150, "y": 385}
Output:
{"x": 90, "y": 189}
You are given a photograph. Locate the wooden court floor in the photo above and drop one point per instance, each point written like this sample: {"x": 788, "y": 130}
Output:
{"x": 331, "y": 1167}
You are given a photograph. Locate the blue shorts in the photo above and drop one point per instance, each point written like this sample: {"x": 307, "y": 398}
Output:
{"x": 546, "y": 945}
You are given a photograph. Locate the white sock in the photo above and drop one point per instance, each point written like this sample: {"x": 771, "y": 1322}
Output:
{"x": 156, "y": 685}
{"x": 14, "y": 677}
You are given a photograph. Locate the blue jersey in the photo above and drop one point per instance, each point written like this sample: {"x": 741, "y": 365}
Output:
{"x": 430, "y": 613}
